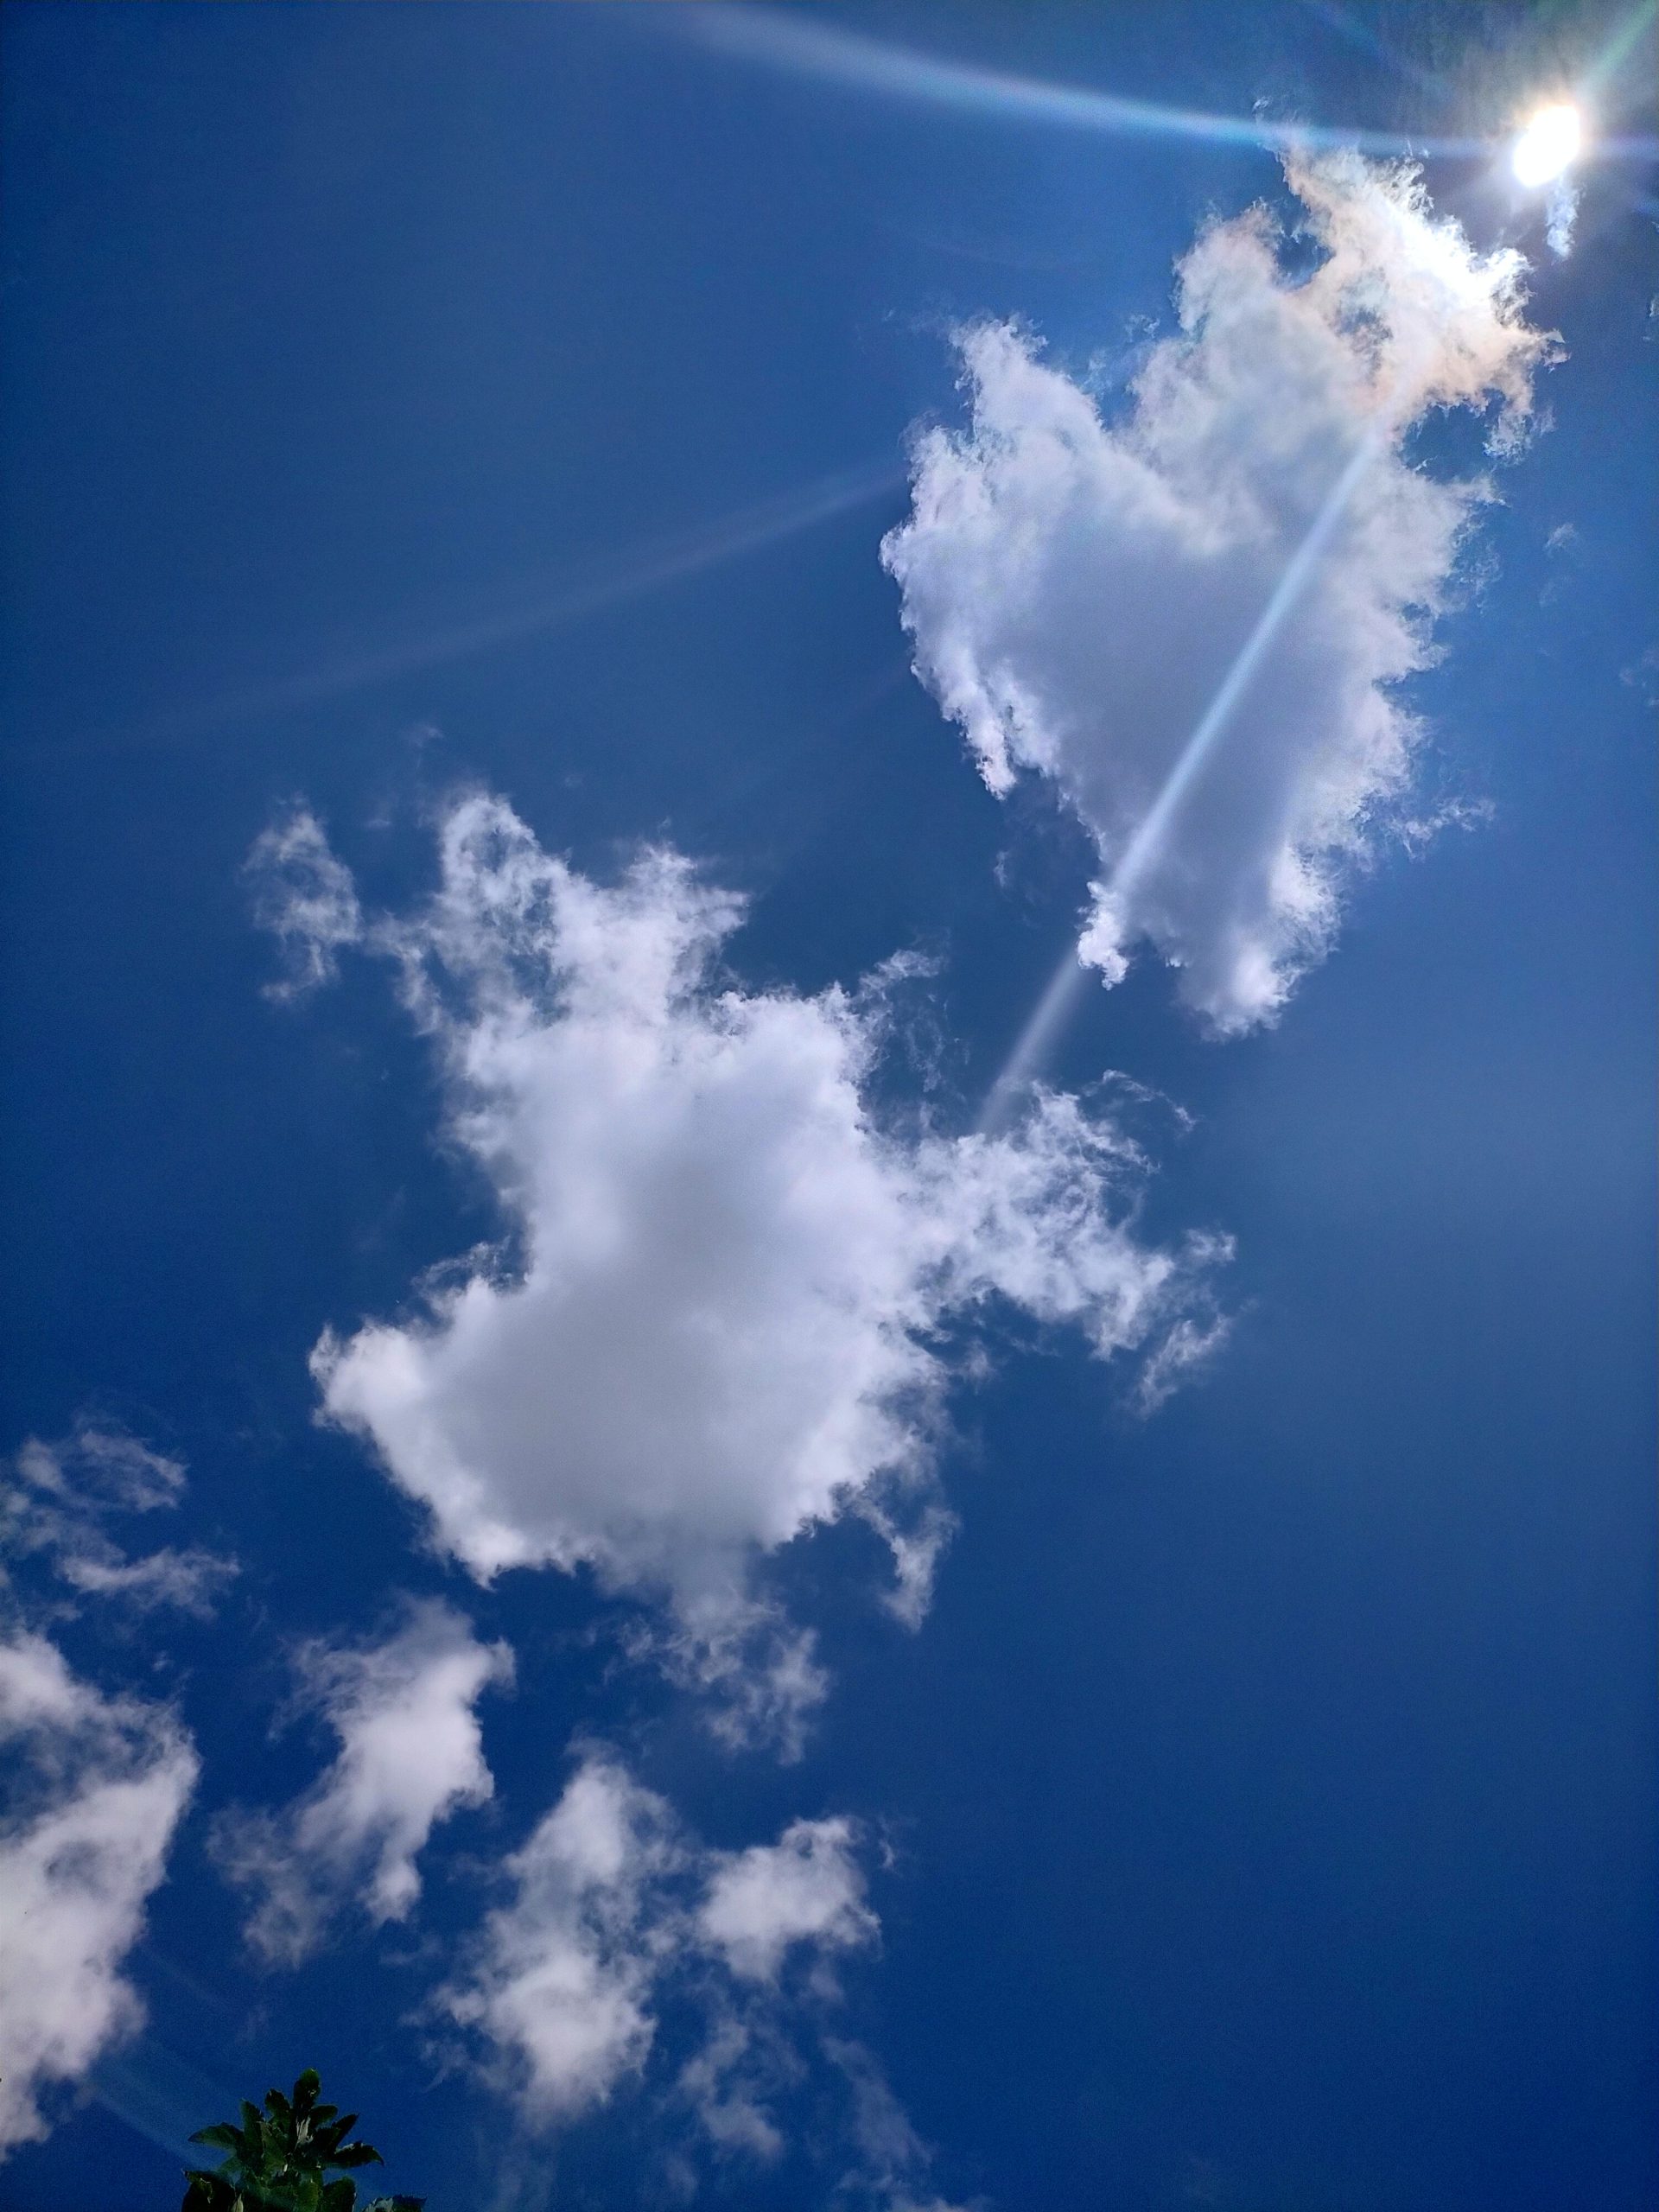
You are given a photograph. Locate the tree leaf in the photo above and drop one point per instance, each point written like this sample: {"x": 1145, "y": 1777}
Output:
{"x": 205, "y": 2192}
{"x": 281, "y": 2159}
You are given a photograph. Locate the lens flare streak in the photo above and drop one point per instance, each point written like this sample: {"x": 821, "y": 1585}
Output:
{"x": 650, "y": 568}
{"x": 790, "y": 41}
{"x": 826, "y": 51}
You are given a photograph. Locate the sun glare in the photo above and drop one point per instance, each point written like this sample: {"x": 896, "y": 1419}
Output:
{"x": 1548, "y": 145}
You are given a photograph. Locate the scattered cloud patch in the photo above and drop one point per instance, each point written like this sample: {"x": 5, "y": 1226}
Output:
{"x": 1195, "y": 618}
{"x": 104, "y": 1467}
{"x": 1189, "y": 1344}
{"x": 96, "y": 1786}
{"x": 1564, "y": 549}
{"x": 807, "y": 1887}
{"x": 730, "y": 2083}
{"x": 617, "y": 1915}
{"x": 559, "y": 1984}
{"x": 894, "y": 2159}
{"x": 62, "y": 1498}
{"x": 305, "y": 897}
{"x": 411, "y": 1754}
{"x": 756, "y": 1668}
{"x": 717, "y": 1317}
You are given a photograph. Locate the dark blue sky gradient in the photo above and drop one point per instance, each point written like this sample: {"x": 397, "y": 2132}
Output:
{"x": 1272, "y": 1792}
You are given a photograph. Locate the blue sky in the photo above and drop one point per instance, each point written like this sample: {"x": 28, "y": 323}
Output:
{"x": 607, "y": 1539}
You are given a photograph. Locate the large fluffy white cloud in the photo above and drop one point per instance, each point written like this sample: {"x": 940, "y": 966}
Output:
{"x": 1193, "y": 618}
{"x": 717, "y": 1319}
{"x": 410, "y": 1753}
{"x": 96, "y": 1785}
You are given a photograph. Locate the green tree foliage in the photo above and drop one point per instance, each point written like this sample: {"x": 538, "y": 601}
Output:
{"x": 280, "y": 2159}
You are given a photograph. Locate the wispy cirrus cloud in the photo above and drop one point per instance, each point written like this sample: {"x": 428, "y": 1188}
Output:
{"x": 305, "y": 897}
{"x": 65, "y": 1494}
{"x": 1195, "y": 619}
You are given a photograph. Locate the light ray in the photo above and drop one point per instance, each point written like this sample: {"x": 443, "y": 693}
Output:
{"x": 1143, "y": 846}
{"x": 1620, "y": 47}
{"x": 1036, "y": 1040}
{"x": 794, "y": 41}
{"x": 161, "y": 2096}
{"x": 1065, "y": 989}
{"x": 648, "y": 569}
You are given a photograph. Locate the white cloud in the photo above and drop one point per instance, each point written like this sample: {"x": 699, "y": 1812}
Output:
{"x": 62, "y": 1499}
{"x": 100, "y": 1465}
{"x": 410, "y": 1753}
{"x": 618, "y": 1919}
{"x": 1194, "y": 618}
{"x": 757, "y": 1667}
{"x": 97, "y": 1785}
{"x": 894, "y": 2159}
{"x": 727, "y": 2080}
{"x": 716, "y": 1321}
{"x": 190, "y": 1581}
{"x": 561, "y": 1980}
{"x": 807, "y": 1887}
{"x": 305, "y": 897}
{"x": 1561, "y": 215}
{"x": 615, "y": 1910}
{"x": 1185, "y": 1345}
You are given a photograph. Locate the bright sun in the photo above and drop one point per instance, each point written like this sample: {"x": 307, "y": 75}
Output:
{"x": 1548, "y": 145}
